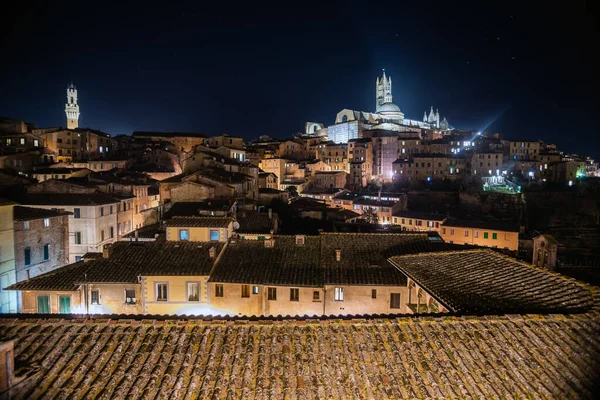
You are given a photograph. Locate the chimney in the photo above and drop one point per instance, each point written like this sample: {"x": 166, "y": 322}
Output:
{"x": 106, "y": 251}
{"x": 338, "y": 255}
{"x": 212, "y": 252}
{"x": 270, "y": 213}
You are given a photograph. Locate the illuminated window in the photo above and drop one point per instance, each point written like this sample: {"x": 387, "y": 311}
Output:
{"x": 95, "y": 296}
{"x": 26, "y": 225}
{"x": 46, "y": 222}
{"x": 193, "y": 291}
{"x": 184, "y": 234}
{"x": 254, "y": 289}
{"x": 214, "y": 235}
{"x": 162, "y": 291}
{"x": 130, "y": 296}
{"x": 338, "y": 294}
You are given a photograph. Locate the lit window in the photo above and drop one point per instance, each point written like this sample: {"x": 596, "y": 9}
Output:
{"x": 254, "y": 289}
{"x": 193, "y": 291}
{"x": 338, "y": 294}
{"x": 162, "y": 292}
{"x": 46, "y": 222}
{"x": 95, "y": 296}
{"x": 184, "y": 234}
{"x": 130, "y": 296}
{"x": 26, "y": 225}
{"x": 214, "y": 235}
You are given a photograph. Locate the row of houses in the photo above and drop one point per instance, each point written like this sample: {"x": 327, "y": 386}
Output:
{"x": 201, "y": 268}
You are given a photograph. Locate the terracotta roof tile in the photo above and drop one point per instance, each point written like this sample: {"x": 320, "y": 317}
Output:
{"x": 483, "y": 281}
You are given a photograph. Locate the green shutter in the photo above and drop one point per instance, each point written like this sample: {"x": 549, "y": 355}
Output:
{"x": 485, "y": 235}
{"x": 43, "y": 305}
{"x": 64, "y": 304}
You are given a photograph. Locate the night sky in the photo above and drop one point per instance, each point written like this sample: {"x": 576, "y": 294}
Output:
{"x": 524, "y": 69}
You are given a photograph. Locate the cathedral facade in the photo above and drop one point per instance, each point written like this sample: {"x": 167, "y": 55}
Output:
{"x": 387, "y": 116}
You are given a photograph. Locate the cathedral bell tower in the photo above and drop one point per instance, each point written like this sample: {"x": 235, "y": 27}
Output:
{"x": 384, "y": 90}
{"x": 72, "y": 108}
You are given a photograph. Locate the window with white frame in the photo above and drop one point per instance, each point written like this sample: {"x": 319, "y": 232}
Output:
{"x": 162, "y": 291}
{"x": 193, "y": 291}
{"x": 338, "y": 294}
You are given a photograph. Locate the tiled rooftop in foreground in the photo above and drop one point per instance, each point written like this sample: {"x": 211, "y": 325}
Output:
{"x": 553, "y": 356}
{"x": 486, "y": 282}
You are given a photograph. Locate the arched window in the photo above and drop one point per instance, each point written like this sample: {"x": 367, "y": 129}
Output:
{"x": 345, "y": 118}
{"x": 72, "y": 101}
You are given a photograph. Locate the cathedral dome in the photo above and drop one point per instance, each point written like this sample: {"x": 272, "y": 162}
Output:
{"x": 388, "y": 107}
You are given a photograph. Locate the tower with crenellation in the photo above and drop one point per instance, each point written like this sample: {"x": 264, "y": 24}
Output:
{"x": 72, "y": 107}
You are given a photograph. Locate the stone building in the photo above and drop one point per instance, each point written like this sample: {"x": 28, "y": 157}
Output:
{"x": 545, "y": 249}
{"x": 41, "y": 241}
{"x": 93, "y": 222}
{"x": 330, "y": 179}
{"x": 183, "y": 141}
{"x": 57, "y": 172}
{"x": 8, "y": 276}
{"x": 335, "y": 155}
{"x": 127, "y": 278}
{"x": 418, "y": 221}
{"x": 481, "y": 233}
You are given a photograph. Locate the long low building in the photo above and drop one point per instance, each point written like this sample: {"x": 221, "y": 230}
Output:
{"x": 329, "y": 274}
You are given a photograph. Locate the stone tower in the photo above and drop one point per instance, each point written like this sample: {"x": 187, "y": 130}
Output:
{"x": 384, "y": 90}
{"x": 72, "y": 108}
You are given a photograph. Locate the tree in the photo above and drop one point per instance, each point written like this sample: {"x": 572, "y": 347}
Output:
{"x": 293, "y": 191}
{"x": 370, "y": 216}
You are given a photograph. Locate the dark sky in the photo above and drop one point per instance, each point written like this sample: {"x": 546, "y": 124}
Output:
{"x": 525, "y": 69}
